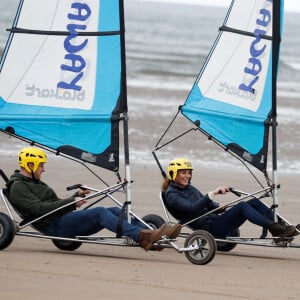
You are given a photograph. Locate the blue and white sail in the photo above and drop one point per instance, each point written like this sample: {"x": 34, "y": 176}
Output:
{"x": 62, "y": 77}
{"x": 233, "y": 96}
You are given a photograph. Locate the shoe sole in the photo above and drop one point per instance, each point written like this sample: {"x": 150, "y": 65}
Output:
{"x": 172, "y": 233}
{"x": 160, "y": 232}
{"x": 147, "y": 245}
{"x": 290, "y": 232}
{"x": 297, "y": 231}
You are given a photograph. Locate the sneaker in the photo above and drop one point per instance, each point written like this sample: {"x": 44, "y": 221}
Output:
{"x": 280, "y": 230}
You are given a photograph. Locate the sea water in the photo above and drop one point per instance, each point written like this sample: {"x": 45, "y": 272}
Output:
{"x": 166, "y": 45}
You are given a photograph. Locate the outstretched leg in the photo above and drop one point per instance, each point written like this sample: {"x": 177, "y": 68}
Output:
{"x": 235, "y": 217}
{"x": 90, "y": 221}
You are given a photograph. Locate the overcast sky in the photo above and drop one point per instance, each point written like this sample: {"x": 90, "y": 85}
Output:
{"x": 290, "y": 5}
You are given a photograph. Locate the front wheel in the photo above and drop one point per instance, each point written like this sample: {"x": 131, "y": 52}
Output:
{"x": 203, "y": 247}
{"x": 7, "y": 231}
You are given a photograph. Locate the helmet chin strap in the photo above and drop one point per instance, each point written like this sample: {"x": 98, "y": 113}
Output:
{"x": 32, "y": 175}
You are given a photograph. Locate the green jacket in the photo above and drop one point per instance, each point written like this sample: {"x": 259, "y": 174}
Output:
{"x": 33, "y": 199}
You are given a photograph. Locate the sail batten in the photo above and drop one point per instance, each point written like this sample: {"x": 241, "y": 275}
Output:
{"x": 66, "y": 33}
{"x": 233, "y": 30}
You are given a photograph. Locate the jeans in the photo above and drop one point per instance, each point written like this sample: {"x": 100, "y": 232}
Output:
{"x": 253, "y": 210}
{"x": 89, "y": 221}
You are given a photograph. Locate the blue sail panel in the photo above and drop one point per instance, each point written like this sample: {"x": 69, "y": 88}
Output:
{"x": 232, "y": 96}
{"x": 61, "y": 78}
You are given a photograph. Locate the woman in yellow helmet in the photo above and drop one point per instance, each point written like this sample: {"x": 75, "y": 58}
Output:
{"x": 34, "y": 199}
{"x": 185, "y": 202}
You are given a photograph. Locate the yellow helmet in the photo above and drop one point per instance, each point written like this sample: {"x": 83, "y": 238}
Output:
{"x": 178, "y": 164}
{"x": 31, "y": 155}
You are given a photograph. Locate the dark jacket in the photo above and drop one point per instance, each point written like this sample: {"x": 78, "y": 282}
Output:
{"x": 33, "y": 198}
{"x": 186, "y": 204}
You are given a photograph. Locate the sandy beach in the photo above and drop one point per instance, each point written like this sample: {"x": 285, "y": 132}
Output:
{"x": 164, "y": 59}
{"x": 36, "y": 269}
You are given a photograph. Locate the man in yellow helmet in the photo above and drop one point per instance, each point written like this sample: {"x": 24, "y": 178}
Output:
{"x": 34, "y": 198}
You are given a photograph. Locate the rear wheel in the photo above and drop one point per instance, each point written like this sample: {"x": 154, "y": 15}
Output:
{"x": 154, "y": 221}
{"x": 226, "y": 247}
{"x": 203, "y": 247}
{"x": 66, "y": 245}
{"x": 7, "y": 231}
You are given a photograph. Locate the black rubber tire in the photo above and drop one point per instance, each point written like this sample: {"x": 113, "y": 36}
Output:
{"x": 66, "y": 245}
{"x": 207, "y": 247}
{"x": 226, "y": 247}
{"x": 7, "y": 231}
{"x": 155, "y": 221}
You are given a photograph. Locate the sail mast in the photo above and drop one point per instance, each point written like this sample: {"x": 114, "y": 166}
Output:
{"x": 275, "y": 59}
{"x": 125, "y": 107}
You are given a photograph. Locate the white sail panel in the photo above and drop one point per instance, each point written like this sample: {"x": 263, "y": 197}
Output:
{"x": 68, "y": 62}
{"x": 236, "y": 72}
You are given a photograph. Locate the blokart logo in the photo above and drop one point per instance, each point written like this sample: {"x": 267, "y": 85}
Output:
{"x": 71, "y": 95}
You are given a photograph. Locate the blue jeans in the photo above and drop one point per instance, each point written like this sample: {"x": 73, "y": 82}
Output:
{"x": 253, "y": 210}
{"x": 89, "y": 221}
